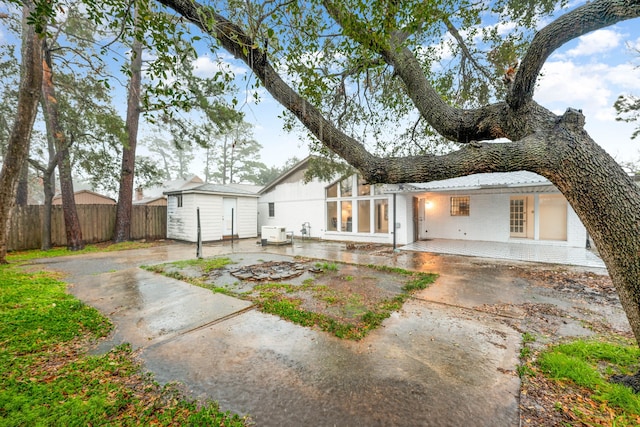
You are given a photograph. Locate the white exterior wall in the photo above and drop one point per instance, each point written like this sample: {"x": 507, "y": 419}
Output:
{"x": 181, "y": 221}
{"x": 576, "y": 231}
{"x": 295, "y": 203}
{"x": 211, "y": 217}
{"x": 247, "y": 217}
{"x": 488, "y": 218}
{"x": 404, "y": 219}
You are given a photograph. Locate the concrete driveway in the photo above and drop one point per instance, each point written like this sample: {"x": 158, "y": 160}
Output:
{"x": 440, "y": 361}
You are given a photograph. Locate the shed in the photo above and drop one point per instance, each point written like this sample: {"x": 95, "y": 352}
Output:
{"x": 225, "y": 211}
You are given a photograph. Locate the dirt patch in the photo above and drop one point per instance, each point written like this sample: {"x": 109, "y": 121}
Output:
{"x": 369, "y": 248}
{"x": 587, "y": 285}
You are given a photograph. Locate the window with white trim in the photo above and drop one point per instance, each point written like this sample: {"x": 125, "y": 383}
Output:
{"x": 460, "y": 206}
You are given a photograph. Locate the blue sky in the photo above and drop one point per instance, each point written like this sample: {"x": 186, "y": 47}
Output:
{"x": 589, "y": 73}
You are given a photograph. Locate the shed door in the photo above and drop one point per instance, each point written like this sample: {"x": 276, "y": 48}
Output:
{"x": 230, "y": 219}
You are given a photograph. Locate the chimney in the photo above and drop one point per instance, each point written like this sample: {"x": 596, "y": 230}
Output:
{"x": 139, "y": 195}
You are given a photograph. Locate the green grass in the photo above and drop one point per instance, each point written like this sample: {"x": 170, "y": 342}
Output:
{"x": 47, "y": 377}
{"x": 272, "y": 298}
{"x": 327, "y": 266}
{"x": 20, "y": 256}
{"x": 588, "y": 363}
{"x": 206, "y": 265}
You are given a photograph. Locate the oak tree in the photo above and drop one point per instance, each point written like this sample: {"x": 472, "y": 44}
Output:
{"x": 341, "y": 68}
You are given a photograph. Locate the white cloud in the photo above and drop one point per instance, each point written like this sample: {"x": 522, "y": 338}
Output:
{"x": 205, "y": 66}
{"x": 627, "y": 76}
{"x": 593, "y": 88}
{"x": 596, "y": 42}
{"x": 565, "y": 84}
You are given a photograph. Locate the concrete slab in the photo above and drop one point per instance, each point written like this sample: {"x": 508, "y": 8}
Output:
{"x": 533, "y": 251}
{"x": 427, "y": 366}
{"x": 440, "y": 361}
{"x": 147, "y": 307}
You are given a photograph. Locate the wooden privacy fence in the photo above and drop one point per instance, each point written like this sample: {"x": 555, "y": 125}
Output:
{"x": 97, "y": 223}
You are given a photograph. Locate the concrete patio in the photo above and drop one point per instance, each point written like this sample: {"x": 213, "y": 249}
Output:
{"x": 529, "y": 252}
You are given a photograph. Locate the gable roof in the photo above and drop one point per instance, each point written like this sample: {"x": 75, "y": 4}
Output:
{"x": 302, "y": 164}
{"x": 152, "y": 193}
{"x": 81, "y": 196}
{"x": 220, "y": 189}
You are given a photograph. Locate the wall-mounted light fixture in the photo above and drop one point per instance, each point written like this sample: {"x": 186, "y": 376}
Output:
{"x": 428, "y": 204}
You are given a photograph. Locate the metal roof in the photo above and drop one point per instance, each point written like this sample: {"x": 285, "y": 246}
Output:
{"x": 481, "y": 180}
{"x": 235, "y": 189}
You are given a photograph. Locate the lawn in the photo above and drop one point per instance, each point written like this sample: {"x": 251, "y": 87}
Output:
{"x": 47, "y": 376}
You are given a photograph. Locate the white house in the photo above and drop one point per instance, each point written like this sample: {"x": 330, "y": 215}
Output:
{"x": 521, "y": 207}
{"x": 224, "y": 210}
{"x": 501, "y": 207}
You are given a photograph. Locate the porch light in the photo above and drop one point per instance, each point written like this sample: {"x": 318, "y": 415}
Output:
{"x": 428, "y": 204}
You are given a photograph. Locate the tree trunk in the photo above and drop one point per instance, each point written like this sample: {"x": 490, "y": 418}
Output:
{"x": 608, "y": 202}
{"x": 49, "y": 187}
{"x": 125, "y": 196}
{"x": 22, "y": 194}
{"x": 54, "y": 129}
{"x": 18, "y": 143}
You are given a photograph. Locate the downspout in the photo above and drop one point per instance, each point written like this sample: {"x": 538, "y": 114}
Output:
{"x": 394, "y": 221}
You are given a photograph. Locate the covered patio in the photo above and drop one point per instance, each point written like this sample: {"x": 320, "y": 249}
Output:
{"x": 553, "y": 254}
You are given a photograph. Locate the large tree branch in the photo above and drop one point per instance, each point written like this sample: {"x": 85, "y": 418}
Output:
{"x": 460, "y": 125}
{"x": 235, "y": 41}
{"x": 463, "y": 126}
{"x": 582, "y": 20}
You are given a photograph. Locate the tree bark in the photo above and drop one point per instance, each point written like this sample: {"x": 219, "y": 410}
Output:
{"x": 49, "y": 189}
{"x": 19, "y": 140}
{"x": 556, "y": 147}
{"x": 54, "y": 131}
{"x": 22, "y": 193}
{"x": 127, "y": 172}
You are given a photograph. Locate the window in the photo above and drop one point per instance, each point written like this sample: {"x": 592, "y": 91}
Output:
{"x": 332, "y": 216}
{"x": 381, "y": 216}
{"x": 460, "y": 206}
{"x": 346, "y": 216}
{"x": 346, "y": 187}
{"x": 272, "y": 209}
{"x": 364, "y": 189}
{"x": 332, "y": 191}
{"x": 355, "y": 206}
{"x": 364, "y": 216}
{"x": 178, "y": 200}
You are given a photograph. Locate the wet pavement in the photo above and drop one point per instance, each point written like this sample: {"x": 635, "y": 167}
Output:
{"x": 440, "y": 361}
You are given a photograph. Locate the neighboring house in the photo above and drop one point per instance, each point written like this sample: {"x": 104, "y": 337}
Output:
{"x": 500, "y": 207}
{"x": 86, "y": 197}
{"x": 155, "y": 196}
{"x": 225, "y": 211}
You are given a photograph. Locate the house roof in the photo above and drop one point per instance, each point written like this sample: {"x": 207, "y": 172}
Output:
{"x": 476, "y": 182}
{"x": 172, "y": 185}
{"x": 302, "y": 164}
{"x": 147, "y": 200}
{"x": 223, "y": 189}
{"x": 92, "y": 193}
